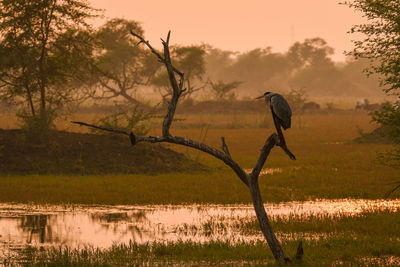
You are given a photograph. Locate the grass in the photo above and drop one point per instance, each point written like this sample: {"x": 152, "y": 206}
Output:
{"x": 221, "y": 187}
{"x": 340, "y": 250}
{"x": 328, "y": 165}
{"x": 368, "y": 239}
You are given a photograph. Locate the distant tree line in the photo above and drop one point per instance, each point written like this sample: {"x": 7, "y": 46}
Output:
{"x": 50, "y": 57}
{"x": 306, "y": 65}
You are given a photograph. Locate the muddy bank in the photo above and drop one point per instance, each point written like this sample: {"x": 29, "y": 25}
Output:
{"x": 76, "y": 153}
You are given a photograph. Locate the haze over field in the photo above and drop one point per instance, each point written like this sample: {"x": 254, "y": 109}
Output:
{"x": 251, "y": 43}
{"x": 240, "y": 25}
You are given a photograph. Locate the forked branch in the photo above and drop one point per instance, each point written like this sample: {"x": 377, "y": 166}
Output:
{"x": 249, "y": 179}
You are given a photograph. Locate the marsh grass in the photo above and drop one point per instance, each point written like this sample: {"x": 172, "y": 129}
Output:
{"x": 384, "y": 223}
{"x": 368, "y": 239}
{"x": 219, "y": 186}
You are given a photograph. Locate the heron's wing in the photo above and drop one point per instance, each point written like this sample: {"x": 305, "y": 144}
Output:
{"x": 282, "y": 110}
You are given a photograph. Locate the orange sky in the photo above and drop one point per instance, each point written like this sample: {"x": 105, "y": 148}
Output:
{"x": 238, "y": 25}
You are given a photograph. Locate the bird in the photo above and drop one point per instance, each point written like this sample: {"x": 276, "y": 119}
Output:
{"x": 280, "y": 109}
{"x": 282, "y": 115}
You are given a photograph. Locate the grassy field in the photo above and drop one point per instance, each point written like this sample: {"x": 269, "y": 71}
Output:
{"x": 328, "y": 165}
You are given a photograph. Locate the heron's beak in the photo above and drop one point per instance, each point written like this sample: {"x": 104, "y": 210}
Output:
{"x": 261, "y": 96}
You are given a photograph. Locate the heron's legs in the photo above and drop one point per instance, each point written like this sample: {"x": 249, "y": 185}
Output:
{"x": 281, "y": 141}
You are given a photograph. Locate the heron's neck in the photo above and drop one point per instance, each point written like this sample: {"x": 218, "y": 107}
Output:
{"x": 268, "y": 99}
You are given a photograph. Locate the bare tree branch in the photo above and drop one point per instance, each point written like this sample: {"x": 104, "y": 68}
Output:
{"x": 265, "y": 150}
{"x": 225, "y": 147}
{"x": 158, "y": 55}
{"x": 387, "y": 194}
{"x": 102, "y": 128}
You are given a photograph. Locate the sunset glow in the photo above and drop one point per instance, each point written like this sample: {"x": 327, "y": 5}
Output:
{"x": 240, "y": 25}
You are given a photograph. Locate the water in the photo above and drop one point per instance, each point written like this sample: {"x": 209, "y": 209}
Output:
{"x": 101, "y": 226}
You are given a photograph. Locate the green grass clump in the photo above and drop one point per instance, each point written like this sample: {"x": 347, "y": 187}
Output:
{"x": 347, "y": 250}
{"x": 384, "y": 223}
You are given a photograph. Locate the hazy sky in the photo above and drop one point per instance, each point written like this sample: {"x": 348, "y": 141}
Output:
{"x": 238, "y": 25}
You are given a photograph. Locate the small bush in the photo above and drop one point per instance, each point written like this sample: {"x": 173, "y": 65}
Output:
{"x": 37, "y": 128}
{"x": 389, "y": 117}
{"x": 135, "y": 120}
{"x": 296, "y": 98}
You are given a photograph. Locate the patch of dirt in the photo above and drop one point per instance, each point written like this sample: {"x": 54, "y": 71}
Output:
{"x": 77, "y": 153}
{"x": 380, "y": 135}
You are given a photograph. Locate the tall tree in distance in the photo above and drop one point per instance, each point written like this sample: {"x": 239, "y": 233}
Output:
{"x": 191, "y": 61}
{"x": 121, "y": 67}
{"x": 259, "y": 69}
{"x": 223, "y": 90}
{"x": 312, "y": 68}
{"x": 39, "y": 50}
{"x": 312, "y": 52}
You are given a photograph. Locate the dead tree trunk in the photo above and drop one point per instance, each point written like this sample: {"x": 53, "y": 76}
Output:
{"x": 249, "y": 179}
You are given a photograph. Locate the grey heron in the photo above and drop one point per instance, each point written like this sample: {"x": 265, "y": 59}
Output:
{"x": 281, "y": 112}
{"x": 282, "y": 115}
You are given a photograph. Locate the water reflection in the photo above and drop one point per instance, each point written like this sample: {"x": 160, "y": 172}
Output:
{"x": 101, "y": 226}
{"x": 36, "y": 225}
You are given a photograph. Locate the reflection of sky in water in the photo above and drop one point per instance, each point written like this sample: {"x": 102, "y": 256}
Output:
{"x": 101, "y": 226}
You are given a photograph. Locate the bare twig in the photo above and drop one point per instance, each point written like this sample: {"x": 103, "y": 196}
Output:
{"x": 102, "y": 128}
{"x": 391, "y": 191}
{"x": 266, "y": 149}
{"x": 158, "y": 55}
{"x": 142, "y": 40}
{"x": 225, "y": 147}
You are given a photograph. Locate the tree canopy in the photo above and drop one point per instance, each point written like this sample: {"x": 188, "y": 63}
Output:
{"x": 381, "y": 43}
{"x": 190, "y": 60}
{"x": 120, "y": 65}
{"x": 41, "y": 43}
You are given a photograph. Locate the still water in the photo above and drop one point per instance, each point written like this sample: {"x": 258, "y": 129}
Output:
{"x": 101, "y": 226}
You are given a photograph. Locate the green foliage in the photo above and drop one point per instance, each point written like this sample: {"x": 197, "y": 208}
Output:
{"x": 381, "y": 44}
{"x": 330, "y": 106}
{"x": 389, "y": 118}
{"x": 259, "y": 68}
{"x": 37, "y": 128}
{"x": 135, "y": 120}
{"x": 306, "y": 64}
{"x": 121, "y": 66}
{"x": 41, "y": 44}
{"x": 312, "y": 52}
{"x": 191, "y": 62}
{"x": 223, "y": 91}
{"x": 296, "y": 98}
